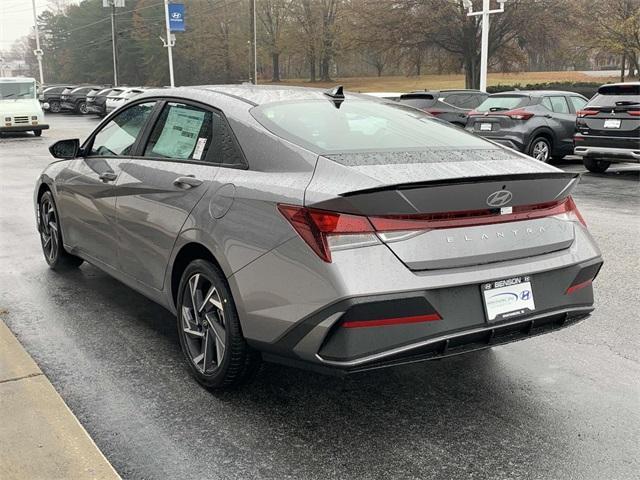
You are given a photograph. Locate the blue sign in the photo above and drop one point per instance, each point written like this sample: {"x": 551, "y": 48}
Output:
{"x": 176, "y": 17}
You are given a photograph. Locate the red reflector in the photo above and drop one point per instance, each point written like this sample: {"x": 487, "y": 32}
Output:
{"x": 578, "y": 286}
{"x": 392, "y": 321}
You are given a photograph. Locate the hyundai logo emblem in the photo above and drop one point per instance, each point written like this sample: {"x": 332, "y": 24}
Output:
{"x": 176, "y": 15}
{"x": 499, "y": 198}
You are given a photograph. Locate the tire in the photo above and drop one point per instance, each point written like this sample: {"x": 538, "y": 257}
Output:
{"x": 540, "y": 149}
{"x": 51, "y": 236}
{"x": 82, "y": 108}
{"x": 594, "y": 165}
{"x": 37, "y": 133}
{"x": 210, "y": 334}
{"x": 54, "y": 106}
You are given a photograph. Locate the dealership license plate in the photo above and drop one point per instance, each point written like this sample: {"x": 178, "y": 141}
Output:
{"x": 612, "y": 123}
{"x": 485, "y": 127}
{"x": 504, "y": 299}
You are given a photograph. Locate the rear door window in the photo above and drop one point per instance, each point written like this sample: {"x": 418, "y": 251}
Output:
{"x": 578, "y": 103}
{"x": 559, "y": 104}
{"x": 183, "y": 132}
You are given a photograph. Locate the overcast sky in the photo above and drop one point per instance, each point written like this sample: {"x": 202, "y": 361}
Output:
{"x": 16, "y": 19}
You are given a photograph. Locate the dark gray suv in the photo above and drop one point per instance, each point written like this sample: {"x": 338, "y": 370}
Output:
{"x": 538, "y": 123}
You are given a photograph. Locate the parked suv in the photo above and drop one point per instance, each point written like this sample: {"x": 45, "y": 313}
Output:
{"x": 608, "y": 128}
{"x": 50, "y": 98}
{"x": 452, "y": 106}
{"x": 119, "y": 97}
{"x": 97, "y": 99}
{"x": 75, "y": 99}
{"x": 539, "y": 123}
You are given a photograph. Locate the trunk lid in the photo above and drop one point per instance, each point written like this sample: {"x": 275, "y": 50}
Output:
{"x": 451, "y": 209}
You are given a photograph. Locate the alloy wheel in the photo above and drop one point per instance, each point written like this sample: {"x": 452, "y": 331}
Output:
{"x": 49, "y": 229}
{"x": 203, "y": 324}
{"x": 540, "y": 151}
{"x": 83, "y": 108}
{"x": 54, "y": 107}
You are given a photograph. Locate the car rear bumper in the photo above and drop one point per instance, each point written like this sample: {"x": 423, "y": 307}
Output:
{"x": 25, "y": 128}
{"x": 441, "y": 312}
{"x": 608, "y": 153}
{"x": 451, "y": 344}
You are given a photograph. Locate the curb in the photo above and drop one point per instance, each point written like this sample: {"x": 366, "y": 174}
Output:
{"x": 41, "y": 438}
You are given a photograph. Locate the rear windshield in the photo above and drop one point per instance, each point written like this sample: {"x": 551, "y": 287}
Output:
{"x": 612, "y": 95}
{"x": 422, "y": 101}
{"x": 360, "y": 126}
{"x": 503, "y": 102}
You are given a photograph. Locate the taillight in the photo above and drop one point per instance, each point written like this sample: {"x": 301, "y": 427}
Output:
{"x": 434, "y": 111}
{"x": 518, "y": 114}
{"x": 325, "y": 231}
{"x": 635, "y": 113}
{"x": 586, "y": 113}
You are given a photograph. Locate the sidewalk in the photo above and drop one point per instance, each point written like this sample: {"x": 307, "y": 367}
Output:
{"x": 40, "y": 438}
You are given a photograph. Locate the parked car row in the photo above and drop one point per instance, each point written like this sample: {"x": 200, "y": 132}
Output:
{"x": 86, "y": 99}
{"x": 545, "y": 124}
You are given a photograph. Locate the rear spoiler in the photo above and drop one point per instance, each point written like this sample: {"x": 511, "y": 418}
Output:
{"x": 467, "y": 180}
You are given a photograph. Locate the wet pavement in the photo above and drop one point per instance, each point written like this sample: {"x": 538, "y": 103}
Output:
{"x": 560, "y": 406}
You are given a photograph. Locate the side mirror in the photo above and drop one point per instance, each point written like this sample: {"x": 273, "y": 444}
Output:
{"x": 65, "y": 149}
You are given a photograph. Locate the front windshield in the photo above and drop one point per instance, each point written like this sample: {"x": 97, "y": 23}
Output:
{"x": 360, "y": 126}
{"x": 14, "y": 90}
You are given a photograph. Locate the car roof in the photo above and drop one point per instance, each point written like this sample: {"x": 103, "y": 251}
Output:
{"x": 263, "y": 94}
{"x": 621, "y": 84}
{"x": 536, "y": 93}
{"x": 447, "y": 90}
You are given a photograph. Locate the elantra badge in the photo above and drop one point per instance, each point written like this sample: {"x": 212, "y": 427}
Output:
{"x": 499, "y": 198}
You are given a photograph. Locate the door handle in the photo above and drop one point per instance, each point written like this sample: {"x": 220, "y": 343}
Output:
{"x": 108, "y": 176}
{"x": 188, "y": 181}
{"x": 547, "y": 116}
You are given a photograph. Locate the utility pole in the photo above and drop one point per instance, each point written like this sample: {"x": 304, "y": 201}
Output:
{"x": 38, "y": 52}
{"x": 169, "y": 42}
{"x": 252, "y": 7}
{"x": 114, "y": 42}
{"x": 484, "y": 46}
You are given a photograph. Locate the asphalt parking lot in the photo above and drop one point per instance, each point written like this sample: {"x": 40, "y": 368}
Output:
{"x": 560, "y": 406}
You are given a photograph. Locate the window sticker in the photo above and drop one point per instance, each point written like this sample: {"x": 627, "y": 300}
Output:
{"x": 180, "y": 133}
{"x": 197, "y": 153}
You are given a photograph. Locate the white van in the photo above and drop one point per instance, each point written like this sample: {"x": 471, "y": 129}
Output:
{"x": 20, "y": 110}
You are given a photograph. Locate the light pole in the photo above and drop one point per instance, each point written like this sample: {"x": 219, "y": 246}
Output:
{"x": 113, "y": 4}
{"x": 38, "y": 52}
{"x": 169, "y": 41}
{"x": 484, "y": 46}
{"x": 114, "y": 43}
